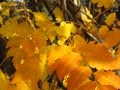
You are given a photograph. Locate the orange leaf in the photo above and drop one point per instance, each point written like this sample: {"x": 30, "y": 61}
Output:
{"x": 97, "y": 56}
{"x": 103, "y": 31}
{"x": 28, "y": 47}
{"x": 57, "y": 52}
{"x": 30, "y": 72}
{"x": 110, "y": 19}
{"x": 78, "y": 77}
{"x": 107, "y": 78}
{"x": 105, "y": 87}
{"x": 112, "y": 38}
{"x": 66, "y": 64}
{"x": 105, "y": 3}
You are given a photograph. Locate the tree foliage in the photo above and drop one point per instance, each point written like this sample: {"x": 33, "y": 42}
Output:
{"x": 76, "y": 50}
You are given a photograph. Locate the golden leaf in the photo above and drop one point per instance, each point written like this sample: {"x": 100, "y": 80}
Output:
{"x": 64, "y": 32}
{"x": 112, "y": 38}
{"x": 103, "y": 31}
{"x": 53, "y": 54}
{"x": 66, "y": 64}
{"x": 107, "y": 78}
{"x": 97, "y": 56}
{"x": 18, "y": 83}
{"x": 86, "y": 15}
{"x": 58, "y": 14}
{"x": 78, "y": 77}
{"x": 110, "y": 19}
{"x": 3, "y": 81}
{"x": 105, "y": 3}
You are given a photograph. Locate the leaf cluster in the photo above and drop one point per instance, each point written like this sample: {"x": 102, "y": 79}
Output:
{"x": 74, "y": 52}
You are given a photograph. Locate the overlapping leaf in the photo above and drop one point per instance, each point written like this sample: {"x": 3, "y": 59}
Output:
{"x": 108, "y": 78}
{"x": 66, "y": 64}
{"x": 78, "y": 77}
{"x": 97, "y": 56}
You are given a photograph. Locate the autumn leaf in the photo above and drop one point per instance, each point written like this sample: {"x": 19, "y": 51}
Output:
{"x": 66, "y": 64}
{"x": 7, "y": 29}
{"x": 39, "y": 40}
{"x": 105, "y": 87}
{"x": 58, "y": 14}
{"x": 103, "y": 31}
{"x": 86, "y": 16}
{"x": 57, "y": 52}
{"x": 64, "y": 32}
{"x": 77, "y": 78}
{"x": 110, "y": 19}
{"x": 112, "y": 38}
{"x": 97, "y": 56}
{"x": 105, "y": 3}
{"x": 107, "y": 78}
{"x": 78, "y": 40}
{"x": 31, "y": 73}
{"x": 3, "y": 81}
{"x": 28, "y": 47}
{"x": 18, "y": 83}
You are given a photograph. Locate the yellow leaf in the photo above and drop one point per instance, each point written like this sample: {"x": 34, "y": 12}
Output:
{"x": 3, "y": 81}
{"x": 86, "y": 15}
{"x": 58, "y": 14}
{"x": 43, "y": 67}
{"x": 64, "y": 32}
{"x": 7, "y": 29}
{"x": 18, "y": 83}
{"x": 78, "y": 40}
{"x": 110, "y": 19}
